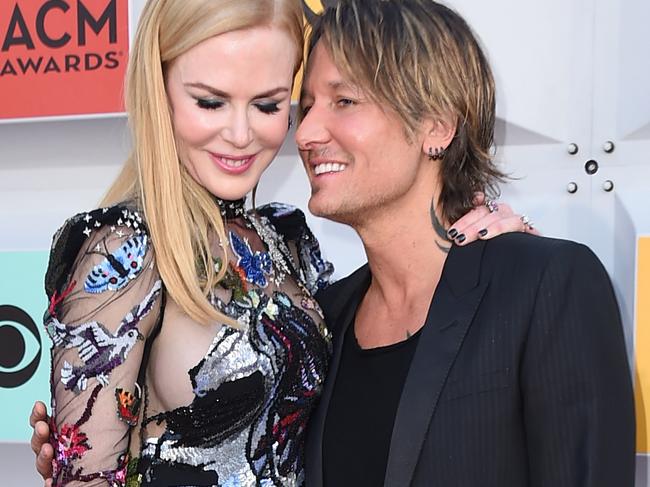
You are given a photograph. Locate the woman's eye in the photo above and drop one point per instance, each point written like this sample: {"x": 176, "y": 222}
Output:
{"x": 268, "y": 108}
{"x": 207, "y": 104}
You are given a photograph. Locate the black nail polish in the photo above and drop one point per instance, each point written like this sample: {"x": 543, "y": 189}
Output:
{"x": 452, "y": 232}
{"x": 460, "y": 238}
{"x": 483, "y": 233}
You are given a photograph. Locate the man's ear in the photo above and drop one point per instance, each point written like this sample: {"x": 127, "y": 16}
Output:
{"x": 438, "y": 134}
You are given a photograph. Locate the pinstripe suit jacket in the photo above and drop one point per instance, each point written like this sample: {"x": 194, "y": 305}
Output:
{"x": 520, "y": 377}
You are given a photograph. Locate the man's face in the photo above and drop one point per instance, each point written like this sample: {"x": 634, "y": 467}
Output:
{"x": 355, "y": 151}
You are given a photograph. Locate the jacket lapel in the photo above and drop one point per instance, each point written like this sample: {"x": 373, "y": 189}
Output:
{"x": 341, "y": 312}
{"x": 452, "y": 309}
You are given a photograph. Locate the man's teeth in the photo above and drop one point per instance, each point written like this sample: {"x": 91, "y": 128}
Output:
{"x": 328, "y": 167}
{"x": 233, "y": 162}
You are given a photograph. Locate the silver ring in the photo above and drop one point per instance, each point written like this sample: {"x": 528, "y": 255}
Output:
{"x": 526, "y": 221}
{"x": 491, "y": 205}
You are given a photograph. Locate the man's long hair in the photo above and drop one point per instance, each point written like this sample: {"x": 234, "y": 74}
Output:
{"x": 420, "y": 59}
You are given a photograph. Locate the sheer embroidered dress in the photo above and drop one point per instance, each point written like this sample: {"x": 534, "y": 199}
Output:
{"x": 205, "y": 405}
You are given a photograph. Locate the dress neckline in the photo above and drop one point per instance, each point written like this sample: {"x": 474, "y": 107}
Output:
{"x": 231, "y": 209}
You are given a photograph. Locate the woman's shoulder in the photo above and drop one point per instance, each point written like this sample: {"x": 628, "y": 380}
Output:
{"x": 288, "y": 220}
{"x": 117, "y": 234}
{"x": 291, "y": 226}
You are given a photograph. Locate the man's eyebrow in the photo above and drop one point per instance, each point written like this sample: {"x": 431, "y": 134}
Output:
{"x": 335, "y": 85}
{"x": 222, "y": 94}
{"x": 332, "y": 85}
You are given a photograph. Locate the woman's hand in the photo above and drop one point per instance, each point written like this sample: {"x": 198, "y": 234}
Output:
{"x": 486, "y": 220}
{"x": 44, "y": 452}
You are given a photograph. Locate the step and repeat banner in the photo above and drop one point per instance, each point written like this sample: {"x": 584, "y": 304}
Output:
{"x": 24, "y": 345}
{"x": 67, "y": 59}
{"x": 62, "y": 58}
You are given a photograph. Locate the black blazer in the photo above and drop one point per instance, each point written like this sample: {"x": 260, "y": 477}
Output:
{"x": 520, "y": 377}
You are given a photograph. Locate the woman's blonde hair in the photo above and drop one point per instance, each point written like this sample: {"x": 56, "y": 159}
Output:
{"x": 180, "y": 213}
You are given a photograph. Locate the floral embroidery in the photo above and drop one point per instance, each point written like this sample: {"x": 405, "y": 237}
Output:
{"x": 117, "y": 477}
{"x": 254, "y": 264}
{"x": 118, "y": 268}
{"x": 71, "y": 443}
{"x": 57, "y": 298}
{"x": 234, "y": 281}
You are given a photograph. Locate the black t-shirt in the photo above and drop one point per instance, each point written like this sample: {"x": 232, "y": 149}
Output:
{"x": 362, "y": 411}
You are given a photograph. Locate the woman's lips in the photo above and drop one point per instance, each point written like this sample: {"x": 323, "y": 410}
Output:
{"x": 233, "y": 164}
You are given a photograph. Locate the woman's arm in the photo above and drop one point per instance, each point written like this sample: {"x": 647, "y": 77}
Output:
{"x": 104, "y": 298}
{"x": 487, "y": 220}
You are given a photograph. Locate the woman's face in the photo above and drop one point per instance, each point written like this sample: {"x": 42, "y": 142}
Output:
{"x": 230, "y": 98}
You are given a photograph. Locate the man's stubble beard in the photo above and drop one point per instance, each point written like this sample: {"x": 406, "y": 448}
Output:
{"x": 353, "y": 210}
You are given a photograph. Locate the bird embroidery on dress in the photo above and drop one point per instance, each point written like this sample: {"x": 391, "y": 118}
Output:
{"x": 100, "y": 350}
{"x": 115, "y": 271}
{"x": 255, "y": 265}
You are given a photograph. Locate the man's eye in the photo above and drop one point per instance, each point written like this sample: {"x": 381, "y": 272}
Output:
{"x": 344, "y": 102}
{"x": 208, "y": 104}
{"x": 268, "y": 108}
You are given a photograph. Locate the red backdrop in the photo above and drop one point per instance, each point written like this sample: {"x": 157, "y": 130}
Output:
{"x": 62, "y": 57}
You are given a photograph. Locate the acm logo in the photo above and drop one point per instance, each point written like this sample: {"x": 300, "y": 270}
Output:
{"x": 18, "y": 32}
{"x": 62, "y": 57}
{"x": 16, "y": 326}
{"x": 54, "y": 26}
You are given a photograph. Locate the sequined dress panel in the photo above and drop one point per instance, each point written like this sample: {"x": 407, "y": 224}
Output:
{"x": 240, "y": 417}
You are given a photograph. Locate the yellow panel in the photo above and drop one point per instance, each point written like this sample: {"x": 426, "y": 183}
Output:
{"x": 297, "y": 83}
{"x": 642, "y": 345}
{"x": 315, "y": 6}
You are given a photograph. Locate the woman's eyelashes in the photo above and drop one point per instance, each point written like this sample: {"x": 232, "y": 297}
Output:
{"x": 212, "y": 104}
{"x": 208, "y": 104}
{"x": 268, "y": 108}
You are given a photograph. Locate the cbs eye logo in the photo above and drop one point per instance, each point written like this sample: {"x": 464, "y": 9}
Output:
{"x": 19, "y": 340}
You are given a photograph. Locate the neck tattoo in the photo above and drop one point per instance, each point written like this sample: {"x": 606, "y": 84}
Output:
{"x": 440, "y": 231}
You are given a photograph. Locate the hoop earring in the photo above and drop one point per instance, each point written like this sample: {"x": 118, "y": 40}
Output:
{"x": 437, "y": 154}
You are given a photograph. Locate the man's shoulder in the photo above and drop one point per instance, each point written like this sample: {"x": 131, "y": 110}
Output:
{"x": 525, "y": 251}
